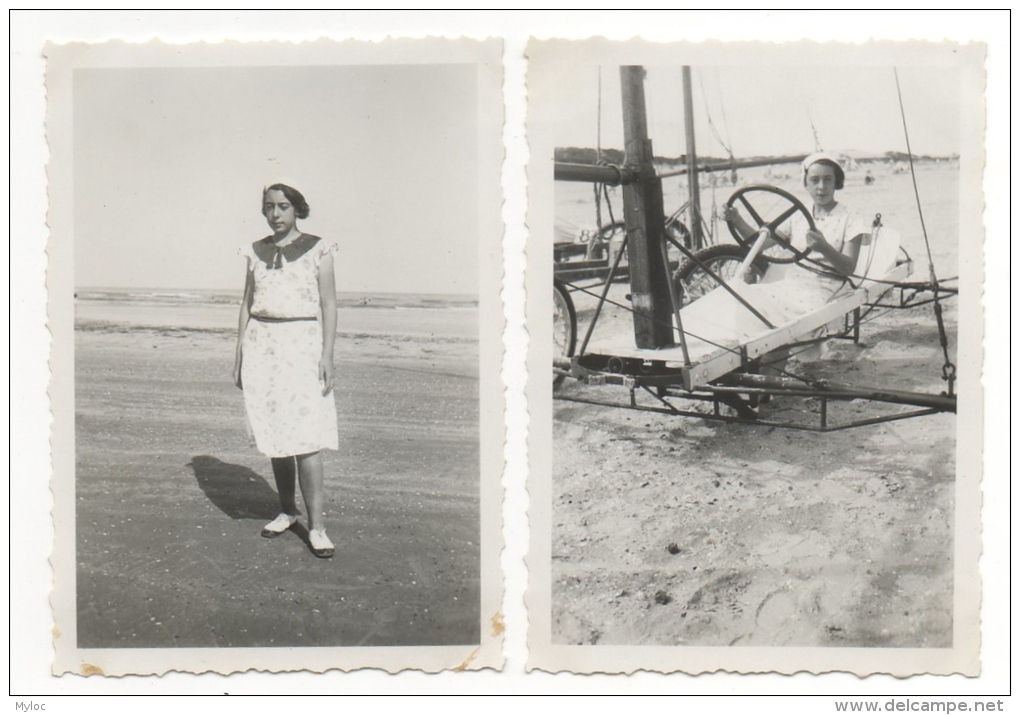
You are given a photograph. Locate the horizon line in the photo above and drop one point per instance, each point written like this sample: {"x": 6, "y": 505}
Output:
{"x": 239, "y": 290}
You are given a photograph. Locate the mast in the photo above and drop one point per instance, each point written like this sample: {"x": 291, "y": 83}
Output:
{"x": 697, "y": 239}
{"x": 644, "y": 216}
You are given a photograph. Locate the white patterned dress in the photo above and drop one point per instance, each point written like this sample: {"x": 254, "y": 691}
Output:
{"x": 787, "y": 292}
{"x": 800, "y": 290}
{"x": 287, "y": 412}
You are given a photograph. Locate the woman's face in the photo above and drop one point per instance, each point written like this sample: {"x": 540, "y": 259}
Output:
{"x": 278, "y": 211}
{"x": 821, "y": 184}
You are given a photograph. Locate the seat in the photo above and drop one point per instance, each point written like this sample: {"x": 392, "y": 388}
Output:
{"x": 879, "y": 256}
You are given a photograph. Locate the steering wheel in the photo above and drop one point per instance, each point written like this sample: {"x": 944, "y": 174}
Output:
{"x": 788, "y": 254}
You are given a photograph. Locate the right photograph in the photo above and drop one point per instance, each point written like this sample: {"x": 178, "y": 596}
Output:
{"x": 760, "y": 261}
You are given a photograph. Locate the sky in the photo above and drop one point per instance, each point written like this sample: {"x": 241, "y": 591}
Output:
{"x": 169, "y": 162}
{"x": 169, "y": 165}
{"x": 769, "y": 110}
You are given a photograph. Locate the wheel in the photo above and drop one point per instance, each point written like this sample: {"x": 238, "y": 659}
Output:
{"x": 614, "y": 231}
{"x": 677, "y": 231}
{"x": 784, "y": 252}
{"x": 611, "y": 239}
{"x": 564, "y": 324}
{"x": 692, "y": 280}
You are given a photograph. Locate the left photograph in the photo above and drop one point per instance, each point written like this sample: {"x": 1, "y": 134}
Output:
{"x": 274, "y": 299}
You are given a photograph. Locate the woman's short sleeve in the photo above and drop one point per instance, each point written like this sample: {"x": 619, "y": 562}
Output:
{"x": 247, "y": 253}
{"x": 322, "y": 248}
{"x": 858, "y": 226}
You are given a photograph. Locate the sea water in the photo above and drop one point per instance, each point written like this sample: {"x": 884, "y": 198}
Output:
{"x": 411, "y": 314}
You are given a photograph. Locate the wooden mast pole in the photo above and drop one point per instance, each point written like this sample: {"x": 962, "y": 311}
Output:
{"x": 644, "y": 216}
{"x": 694, "y": 193}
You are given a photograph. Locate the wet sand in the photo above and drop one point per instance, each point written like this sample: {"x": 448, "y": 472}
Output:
{"x": 171, "y": 494}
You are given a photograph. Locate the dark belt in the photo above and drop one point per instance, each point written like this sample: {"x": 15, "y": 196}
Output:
{"x": 268, "y": 319}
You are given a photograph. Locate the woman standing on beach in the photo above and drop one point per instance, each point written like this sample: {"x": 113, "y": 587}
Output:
{"x": 284, "y": 358}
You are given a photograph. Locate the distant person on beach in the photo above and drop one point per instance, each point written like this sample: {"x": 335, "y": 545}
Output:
{"x": 284, "y": 358}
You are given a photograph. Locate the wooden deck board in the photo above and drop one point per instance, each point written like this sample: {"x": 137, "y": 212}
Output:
{"x": 730, "y": 331}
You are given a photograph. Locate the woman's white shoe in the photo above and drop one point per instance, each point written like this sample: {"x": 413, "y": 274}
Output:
{"x": 320, "y": 543}
{"x": 279, "y": 525}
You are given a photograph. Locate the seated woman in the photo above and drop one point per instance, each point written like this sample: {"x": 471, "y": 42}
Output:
{"x": 790, "y": 290}
{"x": 834, "y": 244}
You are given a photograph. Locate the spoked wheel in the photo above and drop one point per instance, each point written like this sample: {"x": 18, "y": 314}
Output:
{"x": 694, "y": 278}
{"x": 610, "y": 238}
{"x": 564, "y": 324}
{"x": 678, "y": 232}
{"x": 759, "y": 207}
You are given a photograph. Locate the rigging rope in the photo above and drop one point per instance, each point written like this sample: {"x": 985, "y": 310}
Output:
{"x": 814, "y": 131}
{"x": 609, "y": 204}
{"x": 601, "y": 189}
{"x": 598, "y": 156}
{"x": 711, "y": 124}
{"x": 722, "y": 106}
{"x": 710, "y": 229}
{"x": 913, "y": 178}
{"x": 948, "y": 368}
{"x": 598, "y": 121}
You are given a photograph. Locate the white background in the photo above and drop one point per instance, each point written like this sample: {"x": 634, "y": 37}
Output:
{"x": 30, "y": 526}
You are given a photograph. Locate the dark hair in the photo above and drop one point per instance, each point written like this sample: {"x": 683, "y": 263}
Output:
{"x": 296, "y": 198}
{"x": 840, "y": 176}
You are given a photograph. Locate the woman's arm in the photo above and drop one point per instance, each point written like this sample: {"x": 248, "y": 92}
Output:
{"x": 844, "y": 261}
{"x": 327, "y": 303}
{"x": 748, "y": 232}
{"x": 242, "y": 323}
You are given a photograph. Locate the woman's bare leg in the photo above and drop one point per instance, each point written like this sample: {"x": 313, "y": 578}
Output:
{"x": 310, "y": 475}
{"x": 284, "y": 471}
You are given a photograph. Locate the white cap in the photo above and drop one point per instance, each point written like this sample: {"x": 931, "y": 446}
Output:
{"x": 287, "y": 180}
{"x": 819, "y": 156}
{"x": 825, "y": 156}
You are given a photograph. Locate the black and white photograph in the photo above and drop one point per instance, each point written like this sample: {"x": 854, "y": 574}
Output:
{"x": 285, "y": 429}
{"x": 757, "y": 375}
{"x": 365, "y": 354}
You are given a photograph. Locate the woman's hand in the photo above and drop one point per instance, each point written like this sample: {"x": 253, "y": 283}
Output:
{"x": 844, "y": 262}
{"x": 732, "y": 216}
{"x": 242, "y": 323}
{"x": 327, "y": 304}
{"x": 326, "y": 375}
{"x": 816, "y": 240}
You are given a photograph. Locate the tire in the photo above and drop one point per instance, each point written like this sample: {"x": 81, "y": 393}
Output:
{"x": 614, "y": 230}
{"x": 691, "y": 281}
{"x": 564, "y": 324}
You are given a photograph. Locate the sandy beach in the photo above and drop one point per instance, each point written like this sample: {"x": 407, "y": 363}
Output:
{"x": 683, "y": 531}
{"x": 171, "y": 493}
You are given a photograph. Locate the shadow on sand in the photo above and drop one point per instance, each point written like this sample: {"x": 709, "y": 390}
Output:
{"x": 237, "y": 491}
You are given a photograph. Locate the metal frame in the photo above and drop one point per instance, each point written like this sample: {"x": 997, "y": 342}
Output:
{"x": 717, "y": 415}
{"x": 661, "y": 369}
{"x": 747, "y": 391}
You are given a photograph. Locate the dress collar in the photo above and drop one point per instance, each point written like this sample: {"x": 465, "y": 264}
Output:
{"x": 273, "y": 255}
{"x": 829, "y": 214}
